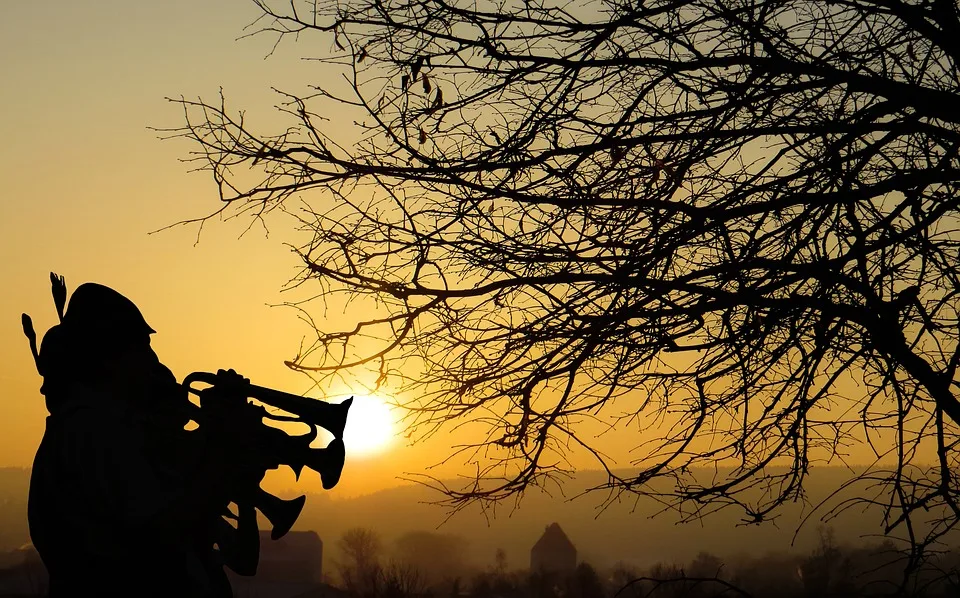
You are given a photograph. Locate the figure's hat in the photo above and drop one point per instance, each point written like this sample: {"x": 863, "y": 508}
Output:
{"x": 101, "y": 315}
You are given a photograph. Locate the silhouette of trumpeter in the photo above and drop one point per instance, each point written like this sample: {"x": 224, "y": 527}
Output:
{"x": 124, "y": 501}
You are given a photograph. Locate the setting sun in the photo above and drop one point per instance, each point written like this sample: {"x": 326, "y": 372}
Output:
{"x": 369, "y": 425}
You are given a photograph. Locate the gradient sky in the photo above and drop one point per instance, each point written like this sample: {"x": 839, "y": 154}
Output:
{"x": 85, "y": 182}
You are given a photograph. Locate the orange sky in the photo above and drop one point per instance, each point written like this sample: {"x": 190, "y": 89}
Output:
{"x": 85, "y": 181}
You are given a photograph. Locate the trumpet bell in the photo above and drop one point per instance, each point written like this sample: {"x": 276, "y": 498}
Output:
{"x": 328, "y": 462}
{"x": 281, "y": 514}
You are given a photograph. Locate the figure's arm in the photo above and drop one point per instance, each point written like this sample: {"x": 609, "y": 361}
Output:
{"x": 144, "y": 500}
{"x": 96, "y": 480}
{"x": 201, "y": 492}
{"x": 106, "y": 454}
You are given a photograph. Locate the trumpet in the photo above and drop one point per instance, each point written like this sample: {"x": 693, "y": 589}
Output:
{"x": 280, "y": 448}
{"x": 329, "y": 416}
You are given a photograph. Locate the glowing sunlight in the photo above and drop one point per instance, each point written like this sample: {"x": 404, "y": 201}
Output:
{"x": 369, "y": 426}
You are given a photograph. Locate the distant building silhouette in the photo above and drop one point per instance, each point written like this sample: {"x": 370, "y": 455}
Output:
{"x": 22, "y": 573}
{"x": 297, "y": 556}
{"x": 553, "y": 552}
{"x": 289, "y": 567}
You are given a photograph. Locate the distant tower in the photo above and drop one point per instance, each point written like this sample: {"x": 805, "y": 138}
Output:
{"x": 553, "y": 552}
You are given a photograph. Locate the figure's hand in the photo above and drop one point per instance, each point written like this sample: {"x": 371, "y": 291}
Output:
{"x": 228, "y": 392}
{"x": 231, "y": 380}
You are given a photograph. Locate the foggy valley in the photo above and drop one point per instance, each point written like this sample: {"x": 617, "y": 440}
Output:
{"x": 618, "y": 543}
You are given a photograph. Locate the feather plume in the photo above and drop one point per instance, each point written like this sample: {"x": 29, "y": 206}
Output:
{"x": 59, "y": 287}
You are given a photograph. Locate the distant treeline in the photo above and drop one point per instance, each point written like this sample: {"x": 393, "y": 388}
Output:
{"x": 426, "y": 564}
{"x": 635, "y": 532}
{"x": 429, "y": 565}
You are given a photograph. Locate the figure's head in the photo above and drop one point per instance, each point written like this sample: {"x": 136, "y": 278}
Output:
{"x": 103, "y": 343}
{"x": 53, "y": 352}
{"x": 107, "y": 337}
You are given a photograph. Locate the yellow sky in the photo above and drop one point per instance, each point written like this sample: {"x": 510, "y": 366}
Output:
{"x": 85, "y": 181}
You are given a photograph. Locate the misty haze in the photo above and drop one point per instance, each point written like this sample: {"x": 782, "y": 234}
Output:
{"x": 480, "y": 298}
{"x": 492, "y": 556}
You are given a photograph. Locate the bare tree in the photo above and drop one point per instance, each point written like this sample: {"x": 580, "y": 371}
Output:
{"x": 500, "y": 562}
{"x": 359, "y": 564}
{"x": 401, "y": 580}
{"x": 730, "y": 223}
